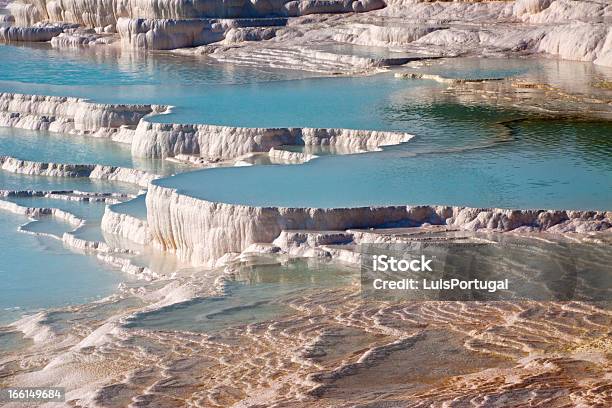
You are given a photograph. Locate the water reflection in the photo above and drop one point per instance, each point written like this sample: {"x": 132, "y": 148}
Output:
{"x": 255, "y": 293}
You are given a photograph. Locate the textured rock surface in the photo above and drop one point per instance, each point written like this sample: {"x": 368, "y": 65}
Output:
{"x": 167, "y": 34}
{"x": 103, "y": 251}
{"x": 284, "y": 156}
{"x": 562, "y": 28}
{"x": 70, "y": 115}
{"x": 78, "y": 39}
{"x": 93, "y": 171}
{"x": 32, "y": 34}
{"x": 128, "y": 124}
{"x": 224, "y": 142}
{"x": 125, "y": 226}
{"x": 576, "y": 30}
{"x": 101, "y": 13}
{"x": 202, "y": 231}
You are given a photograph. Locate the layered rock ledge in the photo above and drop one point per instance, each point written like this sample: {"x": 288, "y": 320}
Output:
{"x": 30, "y": 34}
{"x": 160, "y": 140}
{"x": 128, "y": 124}
{"x": 92, "y": 171}
{"x": 106, "y": 12}
{"x": 112, "y": 255}
{"x": 71, "y": 115}
{"x": 299, "y": 34}
{"x": 202, "y": 231}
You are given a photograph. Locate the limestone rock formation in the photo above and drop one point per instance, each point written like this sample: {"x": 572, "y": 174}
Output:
{"x": 167, "y": 34}
{"x": 159, "y": 140}
{"x": 70, "y": 115}
{"x": 202, "y": 231}
{"x": 125, "y": 226}
{"x": 93, "y": 171}
{"x": 128, "y": 124}
{"x": 31, "y": 34}
{"x": 101, "y": 13}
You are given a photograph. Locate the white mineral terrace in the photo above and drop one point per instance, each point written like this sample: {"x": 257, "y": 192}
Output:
{"x": 203, "y": 231}
{"x": 128, "y": 124}
{"x": 230, "y": 299}
{"x": 574, "y": 30}
{"x": 102, "y": 250}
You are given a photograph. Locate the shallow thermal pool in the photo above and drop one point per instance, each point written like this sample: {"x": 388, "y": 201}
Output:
{"x": 205, "y": 92}
{"x": 40, "y": 273}
{"x": 257, "y": 294}
{"x": 12, "y": 181}
{"x": 91, "y": 211}
{"x": 460, "y": 155}
{"x": 50, "y": 147}
{"x": 529, "y": 164}
{"x": 136, "y": 207}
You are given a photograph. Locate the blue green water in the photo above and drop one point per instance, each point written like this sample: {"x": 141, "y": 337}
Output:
{"x": 59, "y": 148}
{"x": 84, "y": 210}
{"x": 531, "y": 164}
{"x": 204, "y": 92}
{"x": 12, "y": 181}
{"x": 136, "y": 207}
{"x": 40, "y": 273}
{"x": 461, "y": 155}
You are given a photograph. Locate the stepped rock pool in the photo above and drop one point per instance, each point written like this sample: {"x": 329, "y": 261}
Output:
{"x": 528, "y": 164}
{"x": 39, "y": 273}
{"x": 462, "y": 153}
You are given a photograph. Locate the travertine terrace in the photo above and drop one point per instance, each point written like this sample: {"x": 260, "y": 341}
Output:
{"x": 298, "y": 34}
{"x": 234, "y": 302}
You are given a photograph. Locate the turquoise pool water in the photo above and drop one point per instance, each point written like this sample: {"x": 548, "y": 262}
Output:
{"x": 12, "y": 181}
{"x": 526, "y": 164}
{"x": 91, "y": 211}
{"x": 40, "y": 273}
{"x": 59, "y": 148}
{"x": 49, "y": 226}
{"x": 204, "y": 92}
{"x": 461, "y": 155}
{"x": 136, "y": 207}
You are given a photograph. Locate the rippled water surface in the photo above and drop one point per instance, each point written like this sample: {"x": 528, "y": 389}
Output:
{"x": 253, "y": 296}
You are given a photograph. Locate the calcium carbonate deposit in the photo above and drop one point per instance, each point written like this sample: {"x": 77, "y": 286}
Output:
{"x": 189, "y": 191}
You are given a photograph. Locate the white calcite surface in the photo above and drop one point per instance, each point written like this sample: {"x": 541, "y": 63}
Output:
{"x": 70, "y": 115}
{"x": 165, "y": 34}
{"x": 287, "y": 157}
{"x": 93, "y": 171}
{"x": 34, "y": 212}
{"x": 78, "y": 39}
{"x": 161, "y": 140}
{"x": 125, "y": 226}
{"x": 128, "y": 124}
{"x": 104, "y": 252}
{"x": 575, "y": 30}
{"x": 31, "y": 34}
{"x": 202, "y": 231}
{"x": 100, "y": 13}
